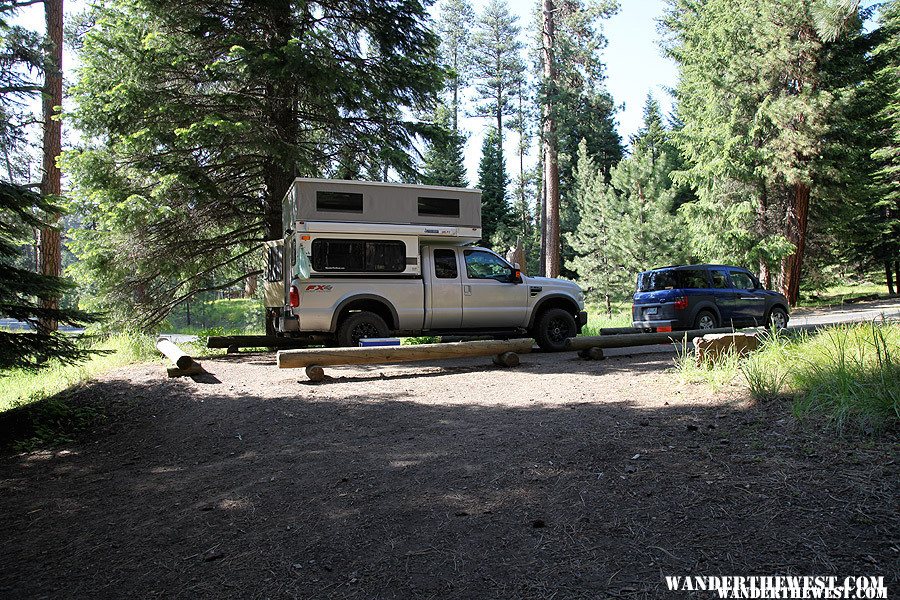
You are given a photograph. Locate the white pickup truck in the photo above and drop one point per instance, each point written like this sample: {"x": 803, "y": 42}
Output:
{"x": 355, "y": 279}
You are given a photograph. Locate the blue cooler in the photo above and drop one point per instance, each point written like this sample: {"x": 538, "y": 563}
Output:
{"x": 368, "y": 342}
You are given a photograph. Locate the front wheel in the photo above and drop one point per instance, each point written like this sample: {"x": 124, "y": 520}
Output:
{"x": 778, "y": 318}
{"x": 554, "y": 327}
{"x": 359, "y": 326}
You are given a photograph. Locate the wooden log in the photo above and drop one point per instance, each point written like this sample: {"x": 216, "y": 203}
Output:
{"x": 194, "y": 369}
{"x": 174, "y": 353}
{"x": 592, "y": 353}
{"x": 507, "y": 359}
{"x": 293, "y": 359}
{"x": 315, "y": 373}
{"x": 638, "y": 339}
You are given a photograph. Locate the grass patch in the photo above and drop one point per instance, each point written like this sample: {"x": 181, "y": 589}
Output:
{"x": 836, "y": 295}
{"x": 33, "y": 409}
{"x": 598, "y": 319}
{"x": 224, "y": 316}
{"x": 848, "y": 374}
{"x": 717, "y": 372}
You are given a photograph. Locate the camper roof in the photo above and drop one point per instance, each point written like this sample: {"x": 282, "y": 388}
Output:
{"x": 332, "y": 200}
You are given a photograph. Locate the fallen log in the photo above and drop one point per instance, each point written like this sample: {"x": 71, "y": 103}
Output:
{"x": 180, "y": 359}
{"x": 322, "y": 357}
{"x": 638, "y": 339}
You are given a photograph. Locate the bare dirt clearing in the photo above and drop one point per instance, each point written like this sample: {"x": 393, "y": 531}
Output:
{"x": 561, "y": 477}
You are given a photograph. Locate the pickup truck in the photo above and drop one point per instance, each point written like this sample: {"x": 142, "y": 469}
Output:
{"x": 461, "y": 290}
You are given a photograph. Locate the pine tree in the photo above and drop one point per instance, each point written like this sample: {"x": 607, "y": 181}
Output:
{"x": 883, "y": 241}
{"x": 492, "y": 179}
{"x": 444, "y": 159}
{"x": 498, "y": 65}
{"x": 20, "y": 289}
{"x": 208, "y": 111}
{"x": 455, "y": 25}
{"x": 590, "y": 242}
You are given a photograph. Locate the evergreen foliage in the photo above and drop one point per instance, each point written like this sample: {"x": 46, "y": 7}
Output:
{"x": 496, "y": 216}
{"x": 20, "y": 288}
{"x": 445, "y": 155}
{"x": 197, "y": 116}
{"x": 455, "y": 25}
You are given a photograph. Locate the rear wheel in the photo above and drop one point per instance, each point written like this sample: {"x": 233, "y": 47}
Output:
{"x": 705, "y": 320}
{"x": 360, "y": 325}
{"x": 778, "y": 318}
{"x": 554, "y": 327}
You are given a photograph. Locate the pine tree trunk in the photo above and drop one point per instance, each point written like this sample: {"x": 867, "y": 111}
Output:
{"x": 765, "y": 274}
{"x": 50, "y": 257}
{"x": 796, "y": 232}
{"x": 551, "y": 158}
{"x": 890, "y": 279}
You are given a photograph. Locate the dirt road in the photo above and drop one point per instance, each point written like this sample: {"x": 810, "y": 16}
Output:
{"x": 559, "y": 479}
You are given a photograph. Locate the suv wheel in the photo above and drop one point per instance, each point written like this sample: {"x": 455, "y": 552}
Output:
{"x": 361, "y": 325}
{"x": 778, "y": 318}
{"x": 554, "y": 327}
{"x": 705, "y": 320}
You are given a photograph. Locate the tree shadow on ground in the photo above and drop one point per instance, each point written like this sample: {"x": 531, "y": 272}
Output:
{"x": 386, "y": 495}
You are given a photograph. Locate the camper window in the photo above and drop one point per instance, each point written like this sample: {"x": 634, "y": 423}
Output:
{"x": 339, "y": 202}
{"x": 438, "y": 207}
{"x": 360, "y": 256}
{"x": 273, "y": 263}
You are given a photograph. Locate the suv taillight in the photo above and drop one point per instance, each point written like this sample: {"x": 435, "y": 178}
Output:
{"x": 681, "y": 303}
{"x": 294, "y": 297}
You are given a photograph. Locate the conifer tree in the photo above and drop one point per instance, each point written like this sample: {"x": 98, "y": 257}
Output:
{"x": 455, "y": 25}
{"x": 492, "y": 179}
{"x": 445, "y": 154}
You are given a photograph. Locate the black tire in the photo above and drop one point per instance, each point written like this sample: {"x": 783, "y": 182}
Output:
{"x": 271, "y": 321}
{"x": 778, "y": 318}
{"x": 705, "y": 319}
{"x": 554, "y": 327}
{"x": 359, "y": 325}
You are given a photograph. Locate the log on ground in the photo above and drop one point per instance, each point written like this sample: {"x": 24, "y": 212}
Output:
{"x": 638, "y": 339}
{"x": 180, "y": 359}
{"x": 293, "y": 359}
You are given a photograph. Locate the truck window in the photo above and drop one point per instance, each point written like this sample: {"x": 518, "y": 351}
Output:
{"x": 360, "y": 256}
{"x": 339, "y": 202}
{"x": 445, "y": 264}
{"x": 438, "y": 207}
{"x": 484, "y": 265}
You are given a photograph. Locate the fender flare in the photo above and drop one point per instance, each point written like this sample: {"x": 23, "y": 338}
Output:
{"x": 356, "y": 297}
{"x": 536, "y": 310}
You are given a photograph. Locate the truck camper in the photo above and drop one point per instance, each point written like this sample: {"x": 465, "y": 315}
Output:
{"x": 366, "y": 259}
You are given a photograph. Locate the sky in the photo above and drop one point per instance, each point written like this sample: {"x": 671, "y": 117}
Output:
{"x": 635, "y": 67}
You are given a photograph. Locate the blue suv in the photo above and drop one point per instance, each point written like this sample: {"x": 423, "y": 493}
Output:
{"x": 704, "y": 297}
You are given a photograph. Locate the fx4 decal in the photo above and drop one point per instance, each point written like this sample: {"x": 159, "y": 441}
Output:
{"x": 319, "y": 288}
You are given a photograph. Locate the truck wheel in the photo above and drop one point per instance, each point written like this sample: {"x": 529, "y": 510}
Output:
{"x": 778, "y": 318}
{"x": 705, "y": 320}
{"x": 361, "y": 325}
{"x": 554, "y": 327}
{"x": 271, "y": 321}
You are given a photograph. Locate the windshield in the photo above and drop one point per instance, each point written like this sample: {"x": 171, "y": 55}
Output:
{"x": 653, "y": 281}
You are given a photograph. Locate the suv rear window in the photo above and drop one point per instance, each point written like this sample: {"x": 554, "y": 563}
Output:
{"x": 652, "y": 281}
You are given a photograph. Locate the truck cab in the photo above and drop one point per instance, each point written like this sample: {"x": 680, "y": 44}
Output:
{"x": 356, "y": 279}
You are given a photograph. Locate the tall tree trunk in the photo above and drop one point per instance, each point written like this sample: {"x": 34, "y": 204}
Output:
{"x": 50, "y": 257}
{"x": 791, "y": 267}
{"x": 762, "y": 229}
{"x": 890, "y": 279}
{"x": 551, "y": 154}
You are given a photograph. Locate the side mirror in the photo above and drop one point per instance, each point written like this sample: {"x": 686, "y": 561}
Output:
{"x": 515, "y": 275}
{"x": 516, "y": 265}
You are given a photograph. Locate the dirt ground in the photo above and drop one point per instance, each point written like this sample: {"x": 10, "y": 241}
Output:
{"x": 561, "y": 478}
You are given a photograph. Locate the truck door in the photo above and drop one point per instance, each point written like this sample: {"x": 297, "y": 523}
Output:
{"x": 490, "y": 296}
{"x": 444, "y": 289}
